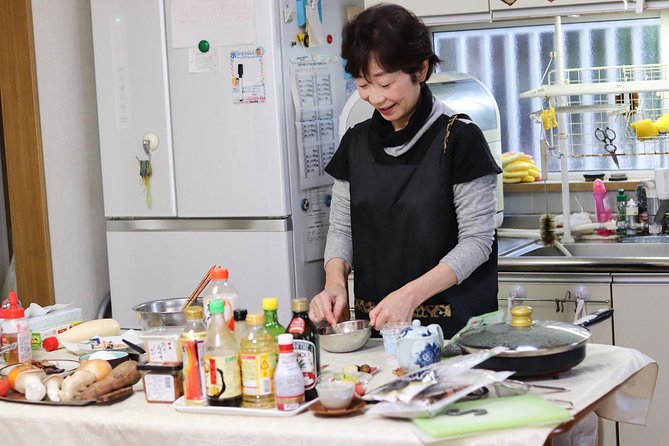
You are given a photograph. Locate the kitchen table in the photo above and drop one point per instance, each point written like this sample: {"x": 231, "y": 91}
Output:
{"x": 615, "y": 382}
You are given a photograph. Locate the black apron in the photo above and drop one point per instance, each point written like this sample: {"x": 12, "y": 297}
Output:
{"x": 403, "y": 222}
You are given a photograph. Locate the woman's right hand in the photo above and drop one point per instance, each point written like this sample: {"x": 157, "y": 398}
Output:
{"x": 329, "y": 304}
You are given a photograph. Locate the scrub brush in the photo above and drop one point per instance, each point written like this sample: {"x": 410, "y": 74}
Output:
{"x": 548, "y": 236}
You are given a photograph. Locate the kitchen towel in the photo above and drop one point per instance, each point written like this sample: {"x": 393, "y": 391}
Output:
{"x": 502, "y": 413}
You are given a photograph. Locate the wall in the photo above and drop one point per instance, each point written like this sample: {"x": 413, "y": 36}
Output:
{"x": 66, "y": 85}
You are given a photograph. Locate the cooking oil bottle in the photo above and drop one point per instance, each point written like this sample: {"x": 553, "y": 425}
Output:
{"x": 259, "y": 355}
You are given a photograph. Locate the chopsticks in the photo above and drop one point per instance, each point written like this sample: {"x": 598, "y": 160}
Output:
{"x": 200, "y": 287}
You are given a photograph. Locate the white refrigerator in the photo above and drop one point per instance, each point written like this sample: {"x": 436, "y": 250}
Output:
{"x": 235, "y": 117}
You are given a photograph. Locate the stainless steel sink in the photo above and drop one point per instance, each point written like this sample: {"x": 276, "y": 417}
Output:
{"x": 630, "y": 249}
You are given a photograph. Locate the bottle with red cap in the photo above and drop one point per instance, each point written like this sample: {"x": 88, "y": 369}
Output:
{"x": 15, "y": 330}
{"x": 220, "y": 289}
{"x": 288, "y": 381}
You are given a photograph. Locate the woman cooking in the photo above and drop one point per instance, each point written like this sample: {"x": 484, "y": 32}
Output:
{"x": 413, "y": 202}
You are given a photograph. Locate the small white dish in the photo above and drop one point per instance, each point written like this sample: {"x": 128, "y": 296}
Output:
{"x": 335, "y": 394}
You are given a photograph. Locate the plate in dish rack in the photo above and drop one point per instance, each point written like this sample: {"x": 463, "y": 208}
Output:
{"x": 180, "y": 406}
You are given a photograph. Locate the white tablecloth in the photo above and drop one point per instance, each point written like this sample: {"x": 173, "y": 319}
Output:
{"x": 136, "y": 422}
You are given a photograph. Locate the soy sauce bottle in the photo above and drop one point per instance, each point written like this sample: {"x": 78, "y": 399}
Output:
{"x": 305, "y": 345}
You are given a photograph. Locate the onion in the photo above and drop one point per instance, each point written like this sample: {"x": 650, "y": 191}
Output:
{"x": 98, "y": 367}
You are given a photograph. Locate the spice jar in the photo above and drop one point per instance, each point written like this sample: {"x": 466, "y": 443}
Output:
{"x": 163, "y": 382}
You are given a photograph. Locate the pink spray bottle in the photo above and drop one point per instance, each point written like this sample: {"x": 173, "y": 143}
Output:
{"x": 602, "y": 208}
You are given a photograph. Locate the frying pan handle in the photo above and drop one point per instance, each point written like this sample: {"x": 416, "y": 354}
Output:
{"x": 595, "y": 318}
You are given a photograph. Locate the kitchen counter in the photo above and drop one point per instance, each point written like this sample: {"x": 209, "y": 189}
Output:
{"x": 608, "y": 380}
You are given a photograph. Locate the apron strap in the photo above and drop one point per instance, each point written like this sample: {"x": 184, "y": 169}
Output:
{"x": 447, "y": 136}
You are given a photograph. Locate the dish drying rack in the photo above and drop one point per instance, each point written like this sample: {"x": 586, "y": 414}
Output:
{"x": 609, "y": 96}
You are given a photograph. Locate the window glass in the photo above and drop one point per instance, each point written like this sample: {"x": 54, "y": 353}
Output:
{"x": 510, "y": 61}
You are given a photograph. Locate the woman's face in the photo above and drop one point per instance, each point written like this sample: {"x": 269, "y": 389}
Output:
{"x": 395, "y": 95}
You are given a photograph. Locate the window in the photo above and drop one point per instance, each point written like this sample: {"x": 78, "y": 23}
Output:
{"x": 513, "y": 60}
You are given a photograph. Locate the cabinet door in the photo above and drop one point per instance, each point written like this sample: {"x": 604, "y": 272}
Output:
{"x": 641, "y": 302}
{"x": 427, "y": 8}
{"x": 543, "y": 290}
{"x": 133, "y": 101}
{"x": 499, "y": 5}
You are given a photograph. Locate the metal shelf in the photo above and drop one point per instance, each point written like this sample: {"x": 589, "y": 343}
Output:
{"x": 597, "y": 88}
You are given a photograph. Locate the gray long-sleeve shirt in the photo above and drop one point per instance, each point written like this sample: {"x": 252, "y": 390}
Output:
{"x": 475, "y": 207}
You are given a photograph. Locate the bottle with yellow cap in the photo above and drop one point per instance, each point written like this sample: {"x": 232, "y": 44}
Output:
{"x": 191, "y": 341}
{"x": 259, "y": 354}
{"x": 270, "y": 306}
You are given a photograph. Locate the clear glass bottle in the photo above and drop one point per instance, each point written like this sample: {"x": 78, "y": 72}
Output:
{"x": 220, "y": 289}
{"x": 259, "y": 355}
{"x": 288, "y": 381}
{"x": 223, "y": 379}
{"x": 191, "y": 341}
{"x": 241, "y": 330}
{"x": 305, "y": 345}
{"x": 270, "y": 306}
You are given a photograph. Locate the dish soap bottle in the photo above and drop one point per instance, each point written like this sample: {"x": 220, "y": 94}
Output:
{"x": 631, "y": 214}
{"x": 221, "y": 361}
{"x": 602, "y": 208}
{"x": 621, "y": 202}
{"x": 306, "y": 345}
{"x": 15, "y": 330}
{"x": 259, "y": 356}
{"x": 272, "y": 325}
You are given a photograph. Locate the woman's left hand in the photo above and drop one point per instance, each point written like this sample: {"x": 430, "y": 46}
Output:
{"x": 395, "y": 307}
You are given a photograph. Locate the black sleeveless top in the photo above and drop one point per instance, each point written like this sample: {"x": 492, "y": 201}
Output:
{"x": 403, "y": 219}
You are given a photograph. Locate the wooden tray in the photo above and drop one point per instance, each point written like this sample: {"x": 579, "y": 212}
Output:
{"x": 109, "y": 398}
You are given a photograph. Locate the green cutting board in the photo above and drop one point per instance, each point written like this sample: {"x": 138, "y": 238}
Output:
{"x": 503, "y": 413}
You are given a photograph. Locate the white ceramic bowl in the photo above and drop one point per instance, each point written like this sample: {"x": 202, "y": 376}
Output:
{"x": 335, "y": 394}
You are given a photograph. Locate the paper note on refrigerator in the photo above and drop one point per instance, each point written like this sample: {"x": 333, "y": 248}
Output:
{"x": 316, "y": 208}
{"x": 220, "y": 22}
{"x": 315, "y": 119}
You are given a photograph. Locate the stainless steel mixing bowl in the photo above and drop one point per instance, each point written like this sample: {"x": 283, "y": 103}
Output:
{"x": 162, "y": 313}
{"x": 348, "y": 336}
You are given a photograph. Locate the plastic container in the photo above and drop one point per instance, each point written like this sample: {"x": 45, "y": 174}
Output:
{"x": 222, "y": 375}
{"x": 15, "y": 330}
{"x": 270, "y": 306}
{"x": 220, "y": 289}
{"x": 602, "y": 208}
{"x": 191, "y": 342}
{"x": 259, "y": 355}
{"x": 162, "y": 344}
{"x": 83, "y": 332}
{"x": 288, "y": 381}
{"x": 163, "y": 383}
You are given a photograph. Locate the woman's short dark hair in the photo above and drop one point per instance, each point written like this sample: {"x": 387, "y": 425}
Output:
{"x": 395, "y": 37}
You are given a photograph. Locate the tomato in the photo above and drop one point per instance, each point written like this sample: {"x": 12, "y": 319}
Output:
{"x": 359, "y": 389}
{"x": 4, "y": 386}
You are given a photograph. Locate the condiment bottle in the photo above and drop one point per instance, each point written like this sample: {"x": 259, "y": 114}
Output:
{"x": 221, "y": 361}
{"x": 259, "y": 356}
{"x": 272, "y": 325}
{"x": 305, "y": 345}
{"x": 15, "y": 330}
{"x": 241, "y": 330}
{"x": 288, "y": 381}
{"x": 191, "y": 341}
{"x": 220, "y": 289}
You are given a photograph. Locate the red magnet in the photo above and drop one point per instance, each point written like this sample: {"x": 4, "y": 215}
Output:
{"x": 329, "y": 38}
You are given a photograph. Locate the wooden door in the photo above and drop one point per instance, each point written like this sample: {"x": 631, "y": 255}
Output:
{"x": 23, "y": 154}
